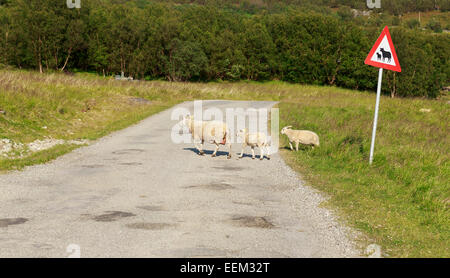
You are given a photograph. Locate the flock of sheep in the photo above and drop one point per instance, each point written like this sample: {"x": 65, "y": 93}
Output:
{"x": 218, "y": 133}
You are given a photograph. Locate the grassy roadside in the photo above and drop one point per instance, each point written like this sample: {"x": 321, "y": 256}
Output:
{"x": 65, "y": 107}
{"x": 400, "y": 203}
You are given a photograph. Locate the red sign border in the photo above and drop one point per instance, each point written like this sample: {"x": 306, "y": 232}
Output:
{"x": 375, "y": 48}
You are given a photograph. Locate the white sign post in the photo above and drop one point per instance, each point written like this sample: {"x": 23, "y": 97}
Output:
{"x": 383, "y": 56}
{"x": 375, "y": 120}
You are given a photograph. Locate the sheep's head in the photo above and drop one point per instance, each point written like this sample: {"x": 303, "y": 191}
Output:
{"x": 283, "y": 131}
{"x": 187, "y": 120}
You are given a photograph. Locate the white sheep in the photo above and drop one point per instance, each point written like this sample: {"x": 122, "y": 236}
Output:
{"x": 304, "y": 137}
{"x": 213, "y": 132}
{"x": 253, "y": 140}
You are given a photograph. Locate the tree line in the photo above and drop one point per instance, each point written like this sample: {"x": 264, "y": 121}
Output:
{"x": 209, "y": 42}
{"x": 396, "y": 7}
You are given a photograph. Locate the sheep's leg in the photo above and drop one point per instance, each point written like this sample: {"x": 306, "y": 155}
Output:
{"x": 228, "y": 142}
{"x": 200, "y": 149}
{"x": 296, "y": 146}
{"x": 261, "y": 155}
{"x": 253, "y": 152}
{"x": 290, "y": 144}
{"x": 215, "y": 152}
{"x": 242, "y": 152}
{"x": 267, "y": 153}
{"x": 197, "y": 147}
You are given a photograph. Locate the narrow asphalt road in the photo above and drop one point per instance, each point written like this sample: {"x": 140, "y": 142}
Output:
{"x": 137, "y": 194}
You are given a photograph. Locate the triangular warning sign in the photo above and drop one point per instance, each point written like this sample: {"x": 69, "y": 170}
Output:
{"x": 383, "y": 53}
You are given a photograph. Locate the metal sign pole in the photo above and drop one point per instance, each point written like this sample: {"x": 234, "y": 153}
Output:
{"x": 374, "y": 132}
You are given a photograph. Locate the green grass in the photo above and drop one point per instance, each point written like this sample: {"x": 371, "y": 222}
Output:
{"x": 63, "y": 107}
{"x": 425, "y": 17}
{"x": 401, "y": 202}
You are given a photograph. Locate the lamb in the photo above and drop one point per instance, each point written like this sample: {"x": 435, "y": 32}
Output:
{"x": 213, "y": 132}
{"x": 304, "y": 137}
{"x": 253, "y": 140}
{"x": 378, "y": 56}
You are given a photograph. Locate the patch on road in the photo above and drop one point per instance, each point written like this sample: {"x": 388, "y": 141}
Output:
{"x": 212, "y": 186}
{"x": 128, "y": 151}
{"x": 111, "y": 216}
{"x": 267, "y": 198}
{"x": 131, "y": 163}
{"x": 229, "y": 168}
{"x": 149, "y": 226}
{"x": 5, "y": 222}
{"x": 243, "y": 203}
{"x": 252, "y": 222}
{"x": 151, "y": 208}
{"x": 191, "y": 252}
{"x": 93, "y": 166}
{"x": 43, "y": 246}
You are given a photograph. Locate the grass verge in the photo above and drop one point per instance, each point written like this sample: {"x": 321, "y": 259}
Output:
{"x": 401, "y": 202}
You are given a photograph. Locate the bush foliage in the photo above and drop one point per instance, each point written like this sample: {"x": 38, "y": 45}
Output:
{"x": 252, "y": 40}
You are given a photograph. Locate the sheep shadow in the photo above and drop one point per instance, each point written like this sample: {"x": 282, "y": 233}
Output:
{"x": 207, "y": 152}
{"x": 246, "y": 155}
{"x": 249, "y": 155}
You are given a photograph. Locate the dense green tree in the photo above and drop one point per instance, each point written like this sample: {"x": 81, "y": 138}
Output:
{"x": 258, "y": 50}
{"x": 47, "y": 33}
{"x": 303, "y": 41}
{"x": 186, "y": 60}
{"x": 434, "y": 25}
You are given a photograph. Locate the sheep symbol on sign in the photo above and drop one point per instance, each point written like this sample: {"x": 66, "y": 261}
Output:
{"x": 386, "y": 55}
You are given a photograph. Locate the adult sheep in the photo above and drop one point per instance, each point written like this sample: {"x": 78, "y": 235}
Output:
{"x": 386, "y": 55}
{"x": 304, "y": 137}
{"x": 213, "y": 132}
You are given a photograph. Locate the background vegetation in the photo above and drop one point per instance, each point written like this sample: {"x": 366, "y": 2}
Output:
{"x": 301, "y": 41}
